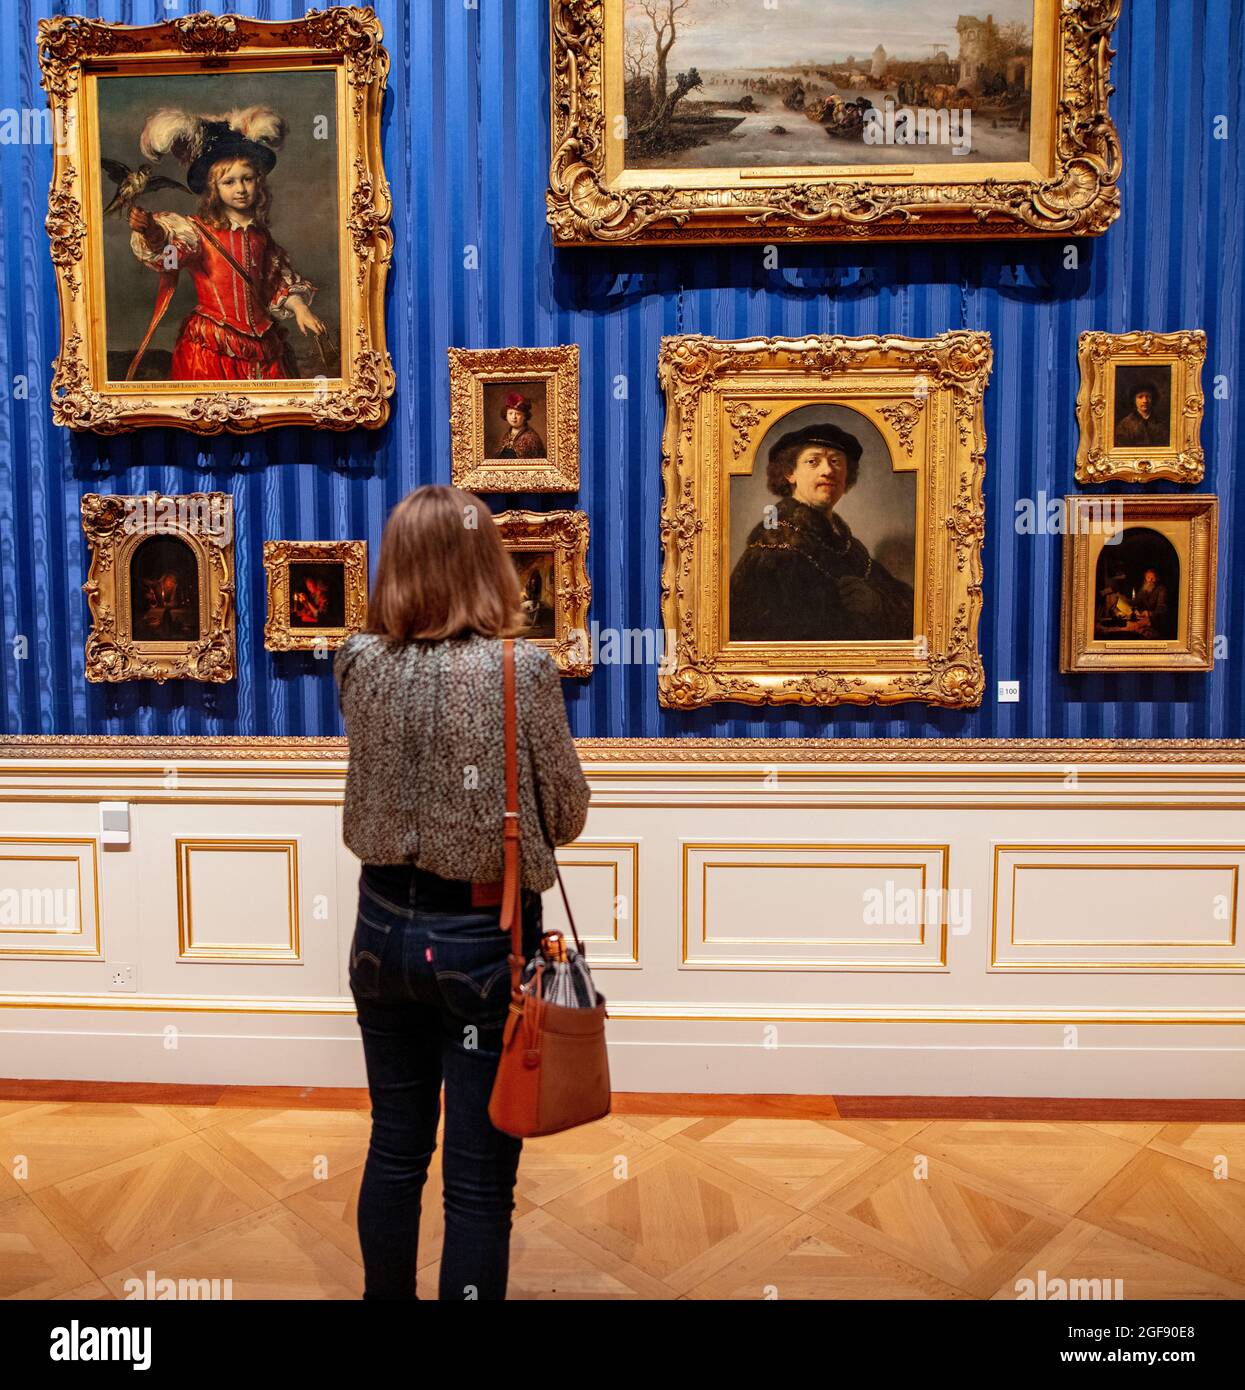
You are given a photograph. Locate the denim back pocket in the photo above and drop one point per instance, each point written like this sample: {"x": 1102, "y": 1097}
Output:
{"x": 471, "y": 962}
{"x": 373, "y": 937}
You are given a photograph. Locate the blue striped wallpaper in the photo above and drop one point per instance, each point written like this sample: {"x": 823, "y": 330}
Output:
{"x": 466, "y": 150}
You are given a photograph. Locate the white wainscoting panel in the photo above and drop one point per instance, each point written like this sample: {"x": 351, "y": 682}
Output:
{"x": 865, "y": 919}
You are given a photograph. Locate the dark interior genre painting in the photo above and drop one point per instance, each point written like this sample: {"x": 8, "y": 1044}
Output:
{"x": 164, "y": 591}
{"x": 1138, "y": 588}
{"x": 535, "y": 569}
{"x": 317, "y": 594}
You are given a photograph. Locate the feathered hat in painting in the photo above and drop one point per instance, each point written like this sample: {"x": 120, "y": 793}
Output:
{"x": 254, "y": 133}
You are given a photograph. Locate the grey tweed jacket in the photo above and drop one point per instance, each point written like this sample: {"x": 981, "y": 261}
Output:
{"x": 427, "y": 780}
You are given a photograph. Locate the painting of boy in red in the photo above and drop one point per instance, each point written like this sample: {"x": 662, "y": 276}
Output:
{"x": 244, "y": 283}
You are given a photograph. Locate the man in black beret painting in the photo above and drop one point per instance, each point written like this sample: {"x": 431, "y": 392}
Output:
{"x": 803, "y": 575}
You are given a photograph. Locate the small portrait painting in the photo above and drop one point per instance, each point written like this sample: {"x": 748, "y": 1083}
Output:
{"x": 221, "y": 214}
{"x": 535, "y": 569}
{"x": 515, "y": 424}
{"x": 1139, "y": 409}
{"x": 1142, "y": 418}
{"x": 514, "y": 418}
{"x": 1138, "y": 588}
{"x": 317, "y": 594}
{"x": 164, "y": 591}
{"x": 823, "y": 535}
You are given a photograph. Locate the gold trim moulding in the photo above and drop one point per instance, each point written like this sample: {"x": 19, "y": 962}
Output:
{"x": 628, "y": 1011}
{"x": 90, "y": 952}
{"x": 328, "y": 749}
{"x": 219, "y": 952}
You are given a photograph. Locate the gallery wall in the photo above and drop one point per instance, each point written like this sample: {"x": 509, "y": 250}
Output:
{"x": 466, "y": 136}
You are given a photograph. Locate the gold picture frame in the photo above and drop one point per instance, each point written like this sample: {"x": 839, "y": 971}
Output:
{"x": 1066, "y": 187}
{"x": 1114, "y": 617}
{"x": 478, "y": 381}
{"x": 184, "y": 590}
{"x": 563, "y": 537}
{"x": 1109, "y": 363}
{"x": 921, "y": 398}
{"x": 321, "y": 598}
{"x": 91, "y": 393}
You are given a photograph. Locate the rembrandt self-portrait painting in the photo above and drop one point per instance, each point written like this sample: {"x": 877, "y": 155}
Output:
{"x": 219, "y": 222}
{"x": 803, "y": 571}
{"x": 1142, "y": 415}
{"x": 822, "y": 519}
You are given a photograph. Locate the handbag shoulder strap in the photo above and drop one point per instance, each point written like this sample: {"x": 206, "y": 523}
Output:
{"x": 511, "y": 897}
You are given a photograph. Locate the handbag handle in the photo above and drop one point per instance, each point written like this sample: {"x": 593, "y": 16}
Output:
{"x": 511, "y": 897}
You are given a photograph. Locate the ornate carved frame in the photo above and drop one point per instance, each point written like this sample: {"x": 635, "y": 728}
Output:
{"x": 1069, "y": 188}
{"x": 114, "y": 530}
{"x": 1098, "y": 460}
{"x": 566, "y": 534}
{"x": 558, "y": 368}
{"x": 925, "y": 397}
{"x": 71, "y": 49}
{"x": 1079, "y": 651}
{"x": 279, "y": 634}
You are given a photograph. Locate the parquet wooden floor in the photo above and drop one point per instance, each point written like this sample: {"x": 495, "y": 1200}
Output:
{"x": 635, "y": 1206}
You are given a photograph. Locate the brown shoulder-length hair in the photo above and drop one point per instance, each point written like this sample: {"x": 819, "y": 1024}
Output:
{"x": 443, "y": 571}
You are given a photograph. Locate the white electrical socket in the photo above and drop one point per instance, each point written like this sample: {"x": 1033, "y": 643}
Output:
{"x": 121, "y": 979}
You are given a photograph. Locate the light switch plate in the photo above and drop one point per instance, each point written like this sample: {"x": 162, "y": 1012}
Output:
{"x": 114, "y": 822}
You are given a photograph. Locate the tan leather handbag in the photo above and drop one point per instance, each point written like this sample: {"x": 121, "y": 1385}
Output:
{"x": 554, "y": 1071}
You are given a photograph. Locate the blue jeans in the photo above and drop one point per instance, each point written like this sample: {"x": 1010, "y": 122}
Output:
{"x": 431, "y": 983}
